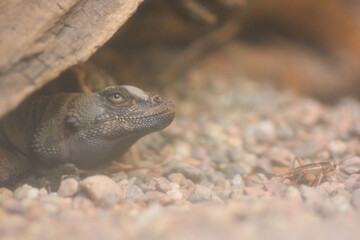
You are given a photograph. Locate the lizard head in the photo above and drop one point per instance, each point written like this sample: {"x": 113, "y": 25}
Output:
{"x": 120, "y": 111}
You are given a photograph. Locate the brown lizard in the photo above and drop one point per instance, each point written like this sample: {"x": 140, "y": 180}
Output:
{"x": 54, "y": 135}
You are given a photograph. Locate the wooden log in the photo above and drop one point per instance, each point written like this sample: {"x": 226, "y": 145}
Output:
{"x": 40, "y": 38}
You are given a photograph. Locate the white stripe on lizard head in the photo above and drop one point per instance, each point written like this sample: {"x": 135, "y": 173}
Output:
{"x": 137, "y": 92}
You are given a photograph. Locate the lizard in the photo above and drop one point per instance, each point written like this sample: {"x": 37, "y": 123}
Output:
{"x": 59, "y": 134}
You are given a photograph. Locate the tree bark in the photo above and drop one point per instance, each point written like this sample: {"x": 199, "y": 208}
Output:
{"x": 40, "y": 38}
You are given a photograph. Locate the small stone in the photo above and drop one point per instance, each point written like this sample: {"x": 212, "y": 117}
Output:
{"x": 312, "y": 113}
{"x": 68, "y": 187}
{"x": 313, "y": 196}
{"x": 308, "y": 112}
{"x": 174, "y": 186}
{"x": 190, "y": 172}
{"x": 238, "y": 181}
{"x": 26, "y": 191}
{"x": 293, "y": 193}
{"x": 263, "y": 165}
{"x": 280, "y": 156}
{"x": 6, "y": 192}
{"x": 337, "y": 148}
{"x": 352, "y": 183}
{"x": 351, "y": 165}
{"x": 50, "y": 204}
{"x": 285, "y": 132}
{"x": 182, "y": 150}
{"x": 174, "y": 195}
{"x": 333, "y": 188}
{"x": 274, "y": 186}
{"x": 216, "y": 132}
{"x": 214, "y": 176}
{"x": 307, "y": 149}
{"x": 234, "y": 142}
{"x": 235, "y": 154}
{"x": 224, "y": 194}
{"x": 219, "y": 155}
{"x": 117, "y": 177}
{"x": 177, "y": 178}
{"x": 43, "y": 192}
{"x": 149, "y": 185}
{"x": 134, "y": 192}
{"x": 103, "y": 190}
{"x": 156, "y": 196}
{"x": 233, "y": 169}
{"x": 13, "y": 205}
{"x": 162, "y": 184}
{"x": 342, "y": 202}
{"x": 201, "y": 193}
{"x": 136, "y": 181}
{"x": 261, "y": 132}
{"x": 185, "y": 193}
{"x": 257, "y": 179}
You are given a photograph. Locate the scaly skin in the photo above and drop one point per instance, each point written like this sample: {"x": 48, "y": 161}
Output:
{"x": 50, "y": 135}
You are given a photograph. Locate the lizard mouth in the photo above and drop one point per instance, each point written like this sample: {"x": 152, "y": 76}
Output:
{"x": 151, "y": 117}
{"x": 159, "y": 114}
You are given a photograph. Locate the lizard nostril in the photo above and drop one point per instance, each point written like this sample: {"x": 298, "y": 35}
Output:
{"x": 157, "y": 99}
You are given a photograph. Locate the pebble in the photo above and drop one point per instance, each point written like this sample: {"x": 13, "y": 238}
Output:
{"x": 12, "y": 205}
{"x": 68, "y": 187}
{"x": 201, "y": 193}
{"x": 185, "y": 193}
{"x": 274, "y": 186}
{"x": 352, "y": 183}
{"x": 293, "y": 193}
{"x": 224, "y": 194}
{"x": 342, "y": 202}
{"x": 154, "y": 196}
{"x": 134, "y": 192}
{"x": 149, "y": 185}
{"x": 162, "y": 184}
{"x": 282, "y": 156}
{"x": 177, "y": 178}
{"x": 4, "y": 192}
{"x": 337, "y": 148}
{"x": 257, "y": 179}
{"x": 117, "y": 177}
{"x": 102, "y": 190}
{"x": 238, "y": 181}
{"x": 313, "y": 197}
{"x": 175, "y": 195}
{"x": 261, "y": 132}
{"x": 192, "y": 173}
{"x": 333, "y": 188}
{"x": 26, "y": 191}
{"x": 51, "y": 204}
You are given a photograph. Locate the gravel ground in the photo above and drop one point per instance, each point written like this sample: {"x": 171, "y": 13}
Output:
{"x": 213, "y": 180}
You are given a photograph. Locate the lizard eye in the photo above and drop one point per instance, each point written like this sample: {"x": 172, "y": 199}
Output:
{"x": 116, "y": 97}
